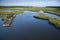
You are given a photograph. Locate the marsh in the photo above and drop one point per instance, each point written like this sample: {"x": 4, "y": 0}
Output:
{"x": 26, "y": 27}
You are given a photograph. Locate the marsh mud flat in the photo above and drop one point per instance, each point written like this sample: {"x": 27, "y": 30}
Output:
{"x": 9, "y": 21}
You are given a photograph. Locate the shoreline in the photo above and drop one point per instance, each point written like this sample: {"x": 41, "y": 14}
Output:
{"x": 54, "y": 21}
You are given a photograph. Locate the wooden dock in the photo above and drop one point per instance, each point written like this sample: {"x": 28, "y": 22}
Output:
{"x": 9, "y": 21}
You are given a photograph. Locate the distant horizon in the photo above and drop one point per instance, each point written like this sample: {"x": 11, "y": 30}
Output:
{"x": 44, "y": 6}
{"x": 35, "y": 3}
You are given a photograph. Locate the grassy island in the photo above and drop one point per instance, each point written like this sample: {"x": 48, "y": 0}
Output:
{"x": 41, "y": 16}
{"x": 54, "y": 21}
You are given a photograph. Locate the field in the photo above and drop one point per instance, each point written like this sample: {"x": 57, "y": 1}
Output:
{"x": 18, "y": 9}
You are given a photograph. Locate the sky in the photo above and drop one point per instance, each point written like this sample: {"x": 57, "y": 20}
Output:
{"x": 39, "y": 3}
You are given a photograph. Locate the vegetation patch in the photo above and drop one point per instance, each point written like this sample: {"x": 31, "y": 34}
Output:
{"x": 53, "y": 21}
{"x": 41, "y": 16}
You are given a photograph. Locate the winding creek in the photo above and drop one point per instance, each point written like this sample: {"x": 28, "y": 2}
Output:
{"x": 26, "y": 27}
{"x": 49, "y": 15}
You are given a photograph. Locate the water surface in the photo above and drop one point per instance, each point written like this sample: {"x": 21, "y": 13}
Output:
{"x": 26, "y": 27}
